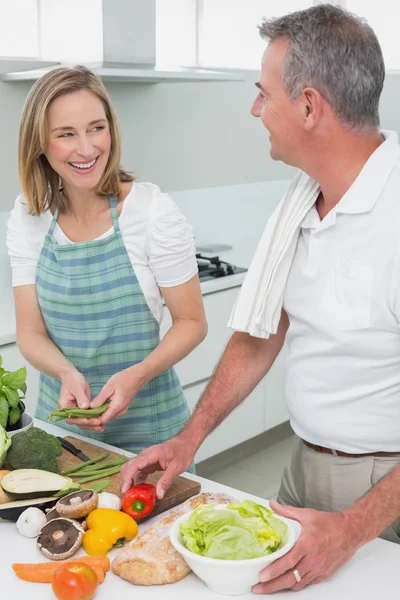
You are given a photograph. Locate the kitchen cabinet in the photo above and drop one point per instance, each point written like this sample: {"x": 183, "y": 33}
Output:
{"x": 13, "y": 360}
{"x": 245, "y": 422}
{"x": 200, "y": 363}
{"x": 262, "y": 410}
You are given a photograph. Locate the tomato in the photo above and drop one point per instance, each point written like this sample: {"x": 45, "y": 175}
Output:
{"x": 76, "y": 581}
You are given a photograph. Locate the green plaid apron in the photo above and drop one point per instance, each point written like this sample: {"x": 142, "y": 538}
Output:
{"x": 95, "y": 312}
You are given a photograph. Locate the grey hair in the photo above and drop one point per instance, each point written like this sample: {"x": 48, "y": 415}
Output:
{"x": 338, "y": 54}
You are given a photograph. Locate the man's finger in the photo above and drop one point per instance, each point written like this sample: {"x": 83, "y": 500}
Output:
{"x": 128, "y": 472}
{"x": 290, "y": 512}
{"x": 284, "y": 564}
{"x": 165, "y": 481}
{"x": 141, "y": 477}
{"x": 284, "y": 582}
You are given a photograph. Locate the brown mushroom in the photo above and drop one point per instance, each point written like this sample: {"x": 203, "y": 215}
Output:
{"x": 60, "y": 538}
{"x": 78, "y": 504}
{"x": 51, "y": 514}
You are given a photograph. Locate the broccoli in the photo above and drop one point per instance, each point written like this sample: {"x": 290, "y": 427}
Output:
{"x": 34, "y": 449}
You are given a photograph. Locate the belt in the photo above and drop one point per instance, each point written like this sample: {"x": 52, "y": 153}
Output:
{"x": 340, "y": 453}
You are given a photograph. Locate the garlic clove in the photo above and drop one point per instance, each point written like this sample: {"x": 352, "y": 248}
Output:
{"x": 108, "y": 500}
{"x": 31, "y": 521}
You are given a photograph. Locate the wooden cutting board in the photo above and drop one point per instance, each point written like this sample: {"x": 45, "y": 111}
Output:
{"x": 180, "y": 490}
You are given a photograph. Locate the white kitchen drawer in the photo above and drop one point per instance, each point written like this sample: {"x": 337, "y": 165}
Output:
{"x": 13, "y": 360}
{"x": 200, "y": 364}
{"x": 243, "y": 423}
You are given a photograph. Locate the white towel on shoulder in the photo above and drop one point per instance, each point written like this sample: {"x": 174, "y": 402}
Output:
{"x": 258, "y": 307}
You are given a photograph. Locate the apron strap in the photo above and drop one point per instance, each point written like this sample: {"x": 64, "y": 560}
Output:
{"x": 114, "y": 213}
{"x": 53, "y": 222}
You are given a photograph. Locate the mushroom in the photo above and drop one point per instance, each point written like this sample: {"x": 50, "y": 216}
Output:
{"x": 60, "y": 538}
{"x": 51, "y": 514}
{"x": 78, "y": 504}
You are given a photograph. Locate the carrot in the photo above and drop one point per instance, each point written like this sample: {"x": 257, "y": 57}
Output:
{"x": 46, "y": 575}
{"x": 100, "y": 561}
{"x": 36, "y": 576}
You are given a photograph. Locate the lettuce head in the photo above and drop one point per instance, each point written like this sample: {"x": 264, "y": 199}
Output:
{"x": 242, "y": 530}
{"x": 5, "y": 443}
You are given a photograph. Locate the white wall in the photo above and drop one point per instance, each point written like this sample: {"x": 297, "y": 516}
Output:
{"x": 181, "y": 136}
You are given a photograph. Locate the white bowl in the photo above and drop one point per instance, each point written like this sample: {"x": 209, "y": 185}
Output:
{"x": 26, "y": 423}
{"x": 231, "y": 577}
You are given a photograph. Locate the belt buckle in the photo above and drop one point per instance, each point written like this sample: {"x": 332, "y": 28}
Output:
{"x": 335, "y": 453}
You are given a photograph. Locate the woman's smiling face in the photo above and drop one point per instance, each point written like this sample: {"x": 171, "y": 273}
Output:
{"x": 79, "y": 139}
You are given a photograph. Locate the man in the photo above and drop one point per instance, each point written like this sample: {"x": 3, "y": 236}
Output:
{"x": 321, "y": 78}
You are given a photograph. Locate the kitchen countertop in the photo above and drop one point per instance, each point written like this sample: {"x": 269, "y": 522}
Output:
{"x": 372, "y": 572}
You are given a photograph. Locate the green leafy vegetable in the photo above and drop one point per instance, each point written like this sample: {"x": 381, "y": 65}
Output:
{"x": 240, "y": 531}
{"x": 5, "y": 443}
{"x": 12, "y": 392}
{"x": 34, "y": 449}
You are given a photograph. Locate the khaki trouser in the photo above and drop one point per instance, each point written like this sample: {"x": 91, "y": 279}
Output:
{"x": 332, "y": 483}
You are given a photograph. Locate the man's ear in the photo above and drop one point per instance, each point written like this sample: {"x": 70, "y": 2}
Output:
{"x": 311, "y": 107}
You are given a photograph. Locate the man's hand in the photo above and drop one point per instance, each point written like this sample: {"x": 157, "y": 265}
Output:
{"x": 327, "y": 542}
{"x": 173, "y": 457}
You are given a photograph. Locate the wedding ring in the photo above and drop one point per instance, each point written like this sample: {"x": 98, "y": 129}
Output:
{"x": 297, "y": 575}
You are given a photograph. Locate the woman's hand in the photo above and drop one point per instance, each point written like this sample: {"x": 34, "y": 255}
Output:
{"x": 75, "y": 391}
{"x": 120, "y": 389}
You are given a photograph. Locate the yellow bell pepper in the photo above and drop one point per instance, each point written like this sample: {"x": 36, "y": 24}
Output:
{"x": 107, "y": 529}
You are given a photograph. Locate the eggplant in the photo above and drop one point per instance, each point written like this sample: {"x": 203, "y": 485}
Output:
{"x": 10, "y": 511}
{"x": 25, "y": 484}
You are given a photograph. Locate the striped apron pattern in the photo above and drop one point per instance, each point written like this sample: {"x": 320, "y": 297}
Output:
{"x": 96, "y": 314}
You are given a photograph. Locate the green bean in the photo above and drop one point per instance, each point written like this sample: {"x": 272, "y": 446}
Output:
{"x": 100, "y": 468}
{"x": 99, "y": 486}
{"x": 104, "y": 473}
{"x": 105, "y": 465}
{"x": 85, "y": 464}
{"x": 76, "y": 413}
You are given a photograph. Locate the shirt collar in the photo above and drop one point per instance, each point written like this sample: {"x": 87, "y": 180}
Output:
{"x": 364, "y": 192}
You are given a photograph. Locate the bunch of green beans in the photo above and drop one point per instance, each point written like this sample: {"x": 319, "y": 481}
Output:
{"x": 94, "y": 469}
{"x": 76, "y": 413}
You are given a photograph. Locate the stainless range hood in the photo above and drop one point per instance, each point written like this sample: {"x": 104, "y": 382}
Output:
{"x": 128, "y": 51}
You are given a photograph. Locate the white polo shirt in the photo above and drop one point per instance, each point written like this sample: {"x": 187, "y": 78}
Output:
{"x": 343, "y": 301}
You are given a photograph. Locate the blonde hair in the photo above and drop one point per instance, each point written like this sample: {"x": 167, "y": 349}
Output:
{"x": 40, "y": 183}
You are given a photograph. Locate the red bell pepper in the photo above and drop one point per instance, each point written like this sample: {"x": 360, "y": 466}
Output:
{"x": 139, "y": 500}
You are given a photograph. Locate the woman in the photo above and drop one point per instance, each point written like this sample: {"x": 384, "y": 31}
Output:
{"x": 92, "y": 255}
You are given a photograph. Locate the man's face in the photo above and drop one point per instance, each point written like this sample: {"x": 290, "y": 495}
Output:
{"x": 280, "y": 115}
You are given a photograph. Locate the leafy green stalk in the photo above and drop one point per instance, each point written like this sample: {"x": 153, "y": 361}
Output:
{"x": 12, "y": 392}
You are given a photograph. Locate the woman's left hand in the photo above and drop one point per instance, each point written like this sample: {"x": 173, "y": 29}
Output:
{"x": 120, "y": 389}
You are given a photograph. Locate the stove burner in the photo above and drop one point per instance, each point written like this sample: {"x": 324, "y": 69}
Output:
{"x": 213, "y": 267}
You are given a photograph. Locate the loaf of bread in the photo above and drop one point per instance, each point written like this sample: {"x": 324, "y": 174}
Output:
{"x": 151, "y": 559}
